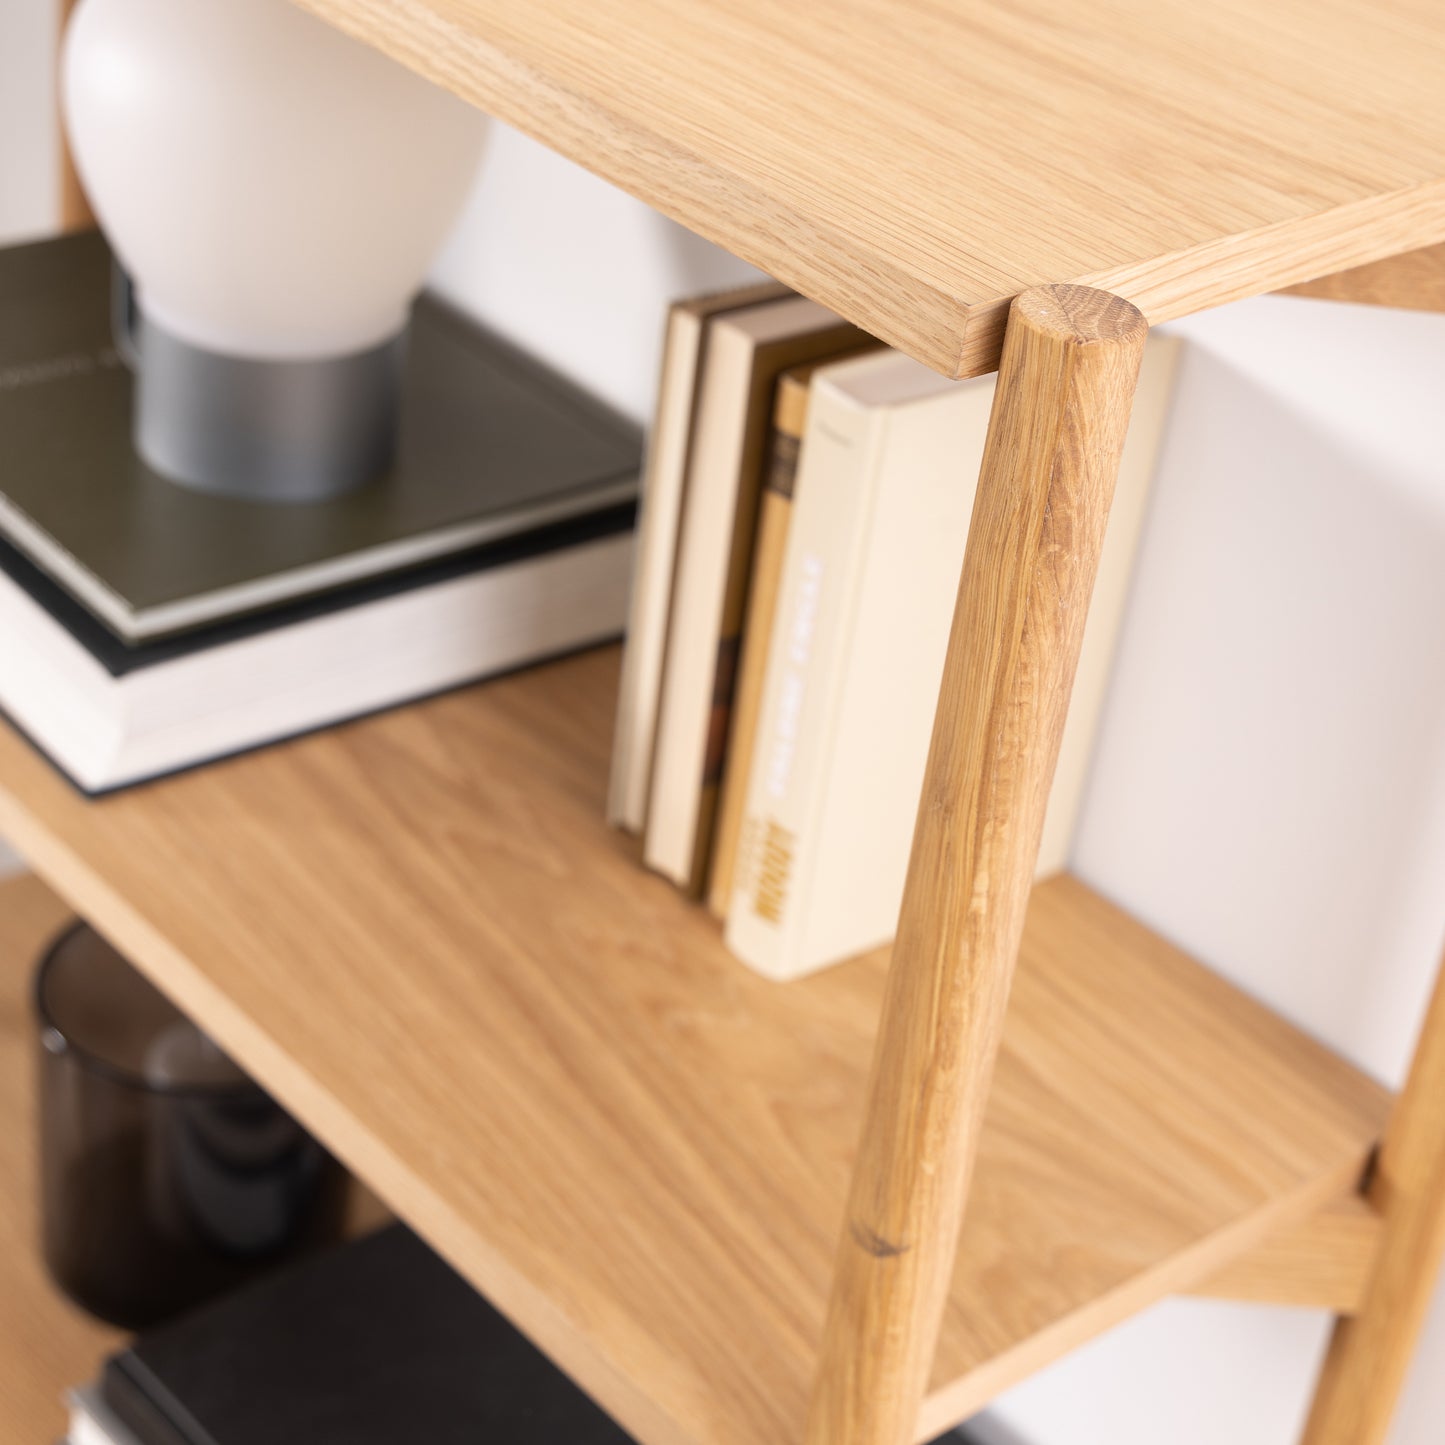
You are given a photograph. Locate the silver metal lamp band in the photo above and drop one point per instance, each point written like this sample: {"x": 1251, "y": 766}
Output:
{"x": 274, "y": 431}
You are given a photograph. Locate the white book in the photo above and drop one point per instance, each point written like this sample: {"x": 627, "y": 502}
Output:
{"x": 746, "y": 351}
{"x": 660, "y": 511}
{"x": 881, "y": 513}
{"x": 111, "y": 716}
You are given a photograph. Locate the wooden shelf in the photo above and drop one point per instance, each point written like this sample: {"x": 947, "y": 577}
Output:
{"x": 46, "y": 1345}
{"x": 915, "y": 166}
{"x": 418, "y": 933}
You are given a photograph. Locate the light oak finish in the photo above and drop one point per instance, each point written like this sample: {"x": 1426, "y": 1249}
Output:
{"x": 75, "y": 212}
{"x": 1369, "y": 1355}
{"x": 915, "y": 166}
{"x": 1060, "y": 415}
{"x": 46, "y": 1344}
{"x": 419, "y": 933}
{"x": 1415, "y": 281}
{"x": 1322, "y": 1263}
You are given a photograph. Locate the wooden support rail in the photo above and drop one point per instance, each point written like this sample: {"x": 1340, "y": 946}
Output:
{"x": 1414, "y": 280}
{"x": 1370, "y": 1352}
{"x": 1066, "y": 383}
{"x": 1324, "y": 1262}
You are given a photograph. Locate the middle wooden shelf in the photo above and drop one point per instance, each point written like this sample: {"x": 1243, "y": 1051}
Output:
{"x": 418, "y": 933}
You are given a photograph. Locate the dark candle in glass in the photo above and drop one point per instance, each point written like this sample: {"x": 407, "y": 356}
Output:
{"x": 167, "y": 1175}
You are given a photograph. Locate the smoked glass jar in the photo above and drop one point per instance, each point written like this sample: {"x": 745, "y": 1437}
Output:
{"x": 167, "y": 1175}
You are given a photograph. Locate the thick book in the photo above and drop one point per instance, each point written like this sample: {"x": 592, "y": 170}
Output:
{"x": 660, "y": 512}
{"x": 491, "y": 445}
{"x": 110, "y": 715}
{"x": 377, "y": 1342}
{"x": 874, "y": 554}
{"x": 746, "y": 352}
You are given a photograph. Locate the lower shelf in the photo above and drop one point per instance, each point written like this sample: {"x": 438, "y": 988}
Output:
{"x": 46, "y": 1345}
{"x": 417, "y": 932}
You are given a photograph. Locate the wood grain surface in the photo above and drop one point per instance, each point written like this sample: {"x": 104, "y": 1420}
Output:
{"x": 419, "y": 933}
{"x": 1322, "y": 1263}
{"x": 46, "y": 1344}
{"x": 915, "y": 166}
{"x": 1414, "y": 281}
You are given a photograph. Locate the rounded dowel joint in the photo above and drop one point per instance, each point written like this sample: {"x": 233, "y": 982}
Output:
{"x": 1079, "y": 315}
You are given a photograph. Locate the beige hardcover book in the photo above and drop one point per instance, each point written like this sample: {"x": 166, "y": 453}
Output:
{"x": 661, "y": 508}
{"x": 775, "y": 511}
{"x": 880, "y": 520}
{"x": 745, "y": 353}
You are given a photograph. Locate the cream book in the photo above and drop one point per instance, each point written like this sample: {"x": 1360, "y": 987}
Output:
{"x": 875, "y": 550}
{"x": 745, "y": 353}
{"x": 661, "y": 509}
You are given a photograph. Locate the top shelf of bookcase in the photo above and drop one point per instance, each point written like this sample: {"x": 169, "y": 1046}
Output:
{"x": 417, "y": 931}
{"x": 916, "y": 165}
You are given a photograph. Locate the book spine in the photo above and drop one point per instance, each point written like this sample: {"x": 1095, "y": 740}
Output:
{"x": 657, "y": 531}
{"x": 688, "y": 708}
{"x": 826, "y": 344}
{"x": 769, "y": 554}
{"x": 663, "y": 494}
{"x": 807, "y": 654}
{"x": 714, "y": 563}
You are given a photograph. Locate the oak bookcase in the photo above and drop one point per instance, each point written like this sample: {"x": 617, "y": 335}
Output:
{"x": 417, "y": 932}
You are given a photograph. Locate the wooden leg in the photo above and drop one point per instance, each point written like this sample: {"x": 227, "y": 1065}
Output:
{"x": 1066, "y": 382}
{"x": 1370, "y": 1352}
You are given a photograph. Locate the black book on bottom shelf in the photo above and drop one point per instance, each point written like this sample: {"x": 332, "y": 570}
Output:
{"x": 377, "y": 1342}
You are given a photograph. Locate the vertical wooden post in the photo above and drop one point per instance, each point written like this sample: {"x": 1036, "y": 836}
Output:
{"x": 75, "y": 212}
{"x": 1370, "y": 1352}
{"x": 1066, "y": 383}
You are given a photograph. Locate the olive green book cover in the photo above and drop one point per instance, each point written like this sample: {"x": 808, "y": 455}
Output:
{"x": 492, "y": 445}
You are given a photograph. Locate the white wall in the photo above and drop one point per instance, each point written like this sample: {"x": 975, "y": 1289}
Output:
{"x": 29, "y": 176}
{"x": 1269, "y": 788}
{"x": 574, "y": 269}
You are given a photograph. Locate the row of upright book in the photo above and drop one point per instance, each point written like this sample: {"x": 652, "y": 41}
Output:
{"x": 806, "y": 505}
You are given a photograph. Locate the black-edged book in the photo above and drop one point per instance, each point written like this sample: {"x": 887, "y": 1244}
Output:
{"x": 377, "y": 1342}
{"x": 146, "y": 627}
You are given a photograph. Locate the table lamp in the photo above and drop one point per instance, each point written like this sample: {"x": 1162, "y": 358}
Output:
{"x": 275, "y": 192}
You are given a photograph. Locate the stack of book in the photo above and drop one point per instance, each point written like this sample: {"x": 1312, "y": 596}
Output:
{"x": 146, "y": 627}
{"x": 806, "y": 505}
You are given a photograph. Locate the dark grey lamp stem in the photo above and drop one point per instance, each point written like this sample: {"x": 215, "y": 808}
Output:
{"x": 267, "y": 430}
